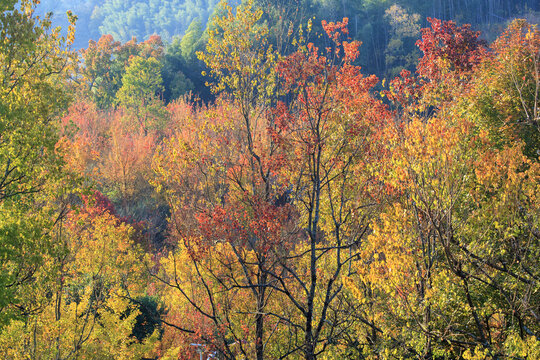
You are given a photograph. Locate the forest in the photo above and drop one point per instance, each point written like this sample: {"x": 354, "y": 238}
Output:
{"x": 268, "y": 179}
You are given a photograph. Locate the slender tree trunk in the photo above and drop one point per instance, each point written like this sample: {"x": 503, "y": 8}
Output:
{"x": 259, "y": 317}
{"x": 310, "y": 341}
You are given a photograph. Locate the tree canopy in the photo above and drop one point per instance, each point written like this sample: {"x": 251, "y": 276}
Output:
{"x": 250, "y": 191}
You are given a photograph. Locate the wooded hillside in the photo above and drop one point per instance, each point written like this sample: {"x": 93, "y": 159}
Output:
{"x": 249, "y": 191}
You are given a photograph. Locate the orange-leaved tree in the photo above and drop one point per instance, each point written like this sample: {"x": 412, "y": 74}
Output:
{"x": 327, "y": 130}
{"x": 218, "y": 172}
{"x": 88, "y": 310}
{"x": 452, "y": 254}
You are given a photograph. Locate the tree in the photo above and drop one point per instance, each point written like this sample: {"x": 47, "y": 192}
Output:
{"x": 270, "y": 187}
{"x": 181, "y": 68}
{"x": 405, "y": 28}
{"x": 507, "y": 88}
{"x": 222, "y": 227}
{"x": 140, "y": 92}
{"x": 87, "y": 311}
{"x": 34, "y": 62}
{"x": 242, "y": 63}
{"x": 113, "y": 155}
{"x": 451, "y": 255}
{"x": 125, "y": 165}
{"x": 100, "y": 73}
{"x": 448, "y": 47}
{"x": 325, "y": 134}
{"x": 104, "y": 63}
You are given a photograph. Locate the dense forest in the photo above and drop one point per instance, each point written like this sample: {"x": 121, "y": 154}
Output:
{"x": 388, "y": 29}
{"x": 270, "y": 179}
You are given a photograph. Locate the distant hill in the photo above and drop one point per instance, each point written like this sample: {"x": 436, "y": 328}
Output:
{"x": 125, "y": 19}
{"x": 388, "y": 29}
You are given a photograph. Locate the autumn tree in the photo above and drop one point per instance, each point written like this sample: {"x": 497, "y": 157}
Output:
{"x": 239, "y": 210}
{"x": 104, "y": 63}
{"x": 326, "y": 135}
{"x": 33, "y": 60}
{"x": 447, "y": 46}
{"x": 110, "y": 150}
{"x": 507, "y": 88}
{"x": 451, "y": 255}
{"x": 88, "y": 311}
{"x": 221, "y": 229}
{"x": 287, "y": 167}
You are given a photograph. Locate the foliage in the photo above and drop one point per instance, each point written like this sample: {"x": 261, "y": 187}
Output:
{"x": 451, "y": 256}
{"x": 105, "y": 62}
{"x": 305, "y": 212}
{"x": 87, "y": 312}
{"x": 506, "y": 90}
{"x": 448, "y": 47}
{"x": 140, "y": 91}
{"x": 113, "y": 151}
{"x": 405, "y": 28}
{"x": 34, "y": 62}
